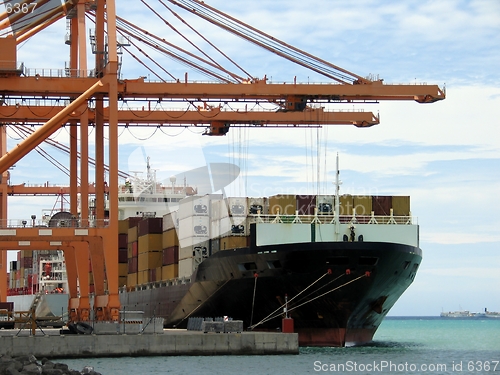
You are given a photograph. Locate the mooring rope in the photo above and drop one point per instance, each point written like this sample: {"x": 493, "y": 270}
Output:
{"x": 269, "y": 317}
{"x": 279, "y": 308}
{"x": 255, "y": 275}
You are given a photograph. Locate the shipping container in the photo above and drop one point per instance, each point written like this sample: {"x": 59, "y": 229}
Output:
{"x": 201, "y": 250}
{"x": 401, "y": 205}
{"x": 152, "y": 275}
{"x": 123, "y": 226}
{"x": 132, "y": 279}
{"x": 149, "y": 260}
{"x": 194, "y": 226}
{"x": 194, "y": 206}
{"x": 133, "y": 221}
{"x": 218, "y": 209}
{"x": 150, "y": 242}
{"x": 150, "y": 225}
{"x": 122, "y": 240}
{"x": 170, "y": 255}
{"x": 170, "y": 272}
{"x": 122, "y": 255}
{"x": 229, "y": 243}
{"x": 237, "y": 206}
{"x": 258, "y": 204}
{"x": 122, "y": 269}
{"x": 133, "y": 265}
{"x": 362, "y": 205}
{"x": 186, "y": 267}
{"x": 135, "y": 249}
{"x": 129, "y": 251}
{"x": 170, "y": 238}
{"x": 170, "y": 221}
{"x": 13, "y": 265}
{"x": 214, "y": 245}
{"x": 27, "y": 262}
{"x": 143, "y": 277}
{"x": 306, "y": 204}
{"x": 346, "y": 204}
{"x": 132, "y": 235}
{"x": 282, "y": 203}
{"x": 122, "y": 281}
{"x": 220, "y": 227}
{"x": 381, "y": 205}
{"x": 325, "y": 204}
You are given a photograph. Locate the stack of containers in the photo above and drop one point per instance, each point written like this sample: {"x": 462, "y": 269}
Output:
{"x": 149, "y": 241}
{"x": 193, "y": 232}
{"x": 234, "y": 223}
{"x": 122, "y": 252}
{"x": 132, "y": 251}
{"x": 12, "y": 274}
{"x": 170, "y": 244}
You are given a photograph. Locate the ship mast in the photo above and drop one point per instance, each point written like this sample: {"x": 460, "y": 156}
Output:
{"x": 337, "y": 184}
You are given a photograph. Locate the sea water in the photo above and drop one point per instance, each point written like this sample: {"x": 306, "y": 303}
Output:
{"x": 401, "y": 346}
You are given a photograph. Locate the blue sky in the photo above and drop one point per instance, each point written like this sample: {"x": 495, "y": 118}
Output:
{"x": 445, "y": 155}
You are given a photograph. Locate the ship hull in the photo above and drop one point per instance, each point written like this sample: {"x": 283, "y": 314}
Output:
{"x": 338, "y": 292}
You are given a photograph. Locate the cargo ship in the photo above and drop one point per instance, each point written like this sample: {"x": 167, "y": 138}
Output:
{"x": 335, "y": 264}
{"x": 465, "y": 314}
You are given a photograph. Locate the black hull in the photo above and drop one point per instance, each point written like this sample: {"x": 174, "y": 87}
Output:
{"x": 358, "y": 284}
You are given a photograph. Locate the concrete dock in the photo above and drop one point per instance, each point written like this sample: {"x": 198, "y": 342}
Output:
{"x": 172, "y": 342}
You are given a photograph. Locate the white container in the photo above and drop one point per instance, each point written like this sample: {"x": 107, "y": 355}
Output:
{"x": 237, "y": 206}
{"x": 186, "y": 267}
{"x": 224, "y": 226}
{"x": 194, "y": 226}
{"x": 170, "y": 221}
{"x": 239, "y": 226}
{"x": 325, "y": 204}
{"x": 199, "y": 251}
{"x": 255, "y": 204}
{"x": 194, "y": 206}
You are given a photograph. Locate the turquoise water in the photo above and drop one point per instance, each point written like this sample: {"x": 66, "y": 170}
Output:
{"x": 401, "y": 346}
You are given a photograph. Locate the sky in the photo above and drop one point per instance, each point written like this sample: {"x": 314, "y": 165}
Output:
{"x": 445, "y": 155}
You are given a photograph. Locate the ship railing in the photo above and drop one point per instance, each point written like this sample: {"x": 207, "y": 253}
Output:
{"x": 331, "y": 219}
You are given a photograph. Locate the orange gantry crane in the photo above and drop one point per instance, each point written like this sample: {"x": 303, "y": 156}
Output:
{"x": 80, "y": 97}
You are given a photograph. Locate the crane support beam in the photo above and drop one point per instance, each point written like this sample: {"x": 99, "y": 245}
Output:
{"x": 316, "y": 116}
{"x": 258, "y": 90}
{"x": 22, "y": 149}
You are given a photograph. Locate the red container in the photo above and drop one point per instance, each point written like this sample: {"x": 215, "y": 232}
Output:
{"x": 132, "y": 221}
{"x": 306, "y": 204}
{"x": 151, "y": 225}
{"x": 122, "y": 255}
{"x": 170, "y": 255}
{"x": 152, "y": 275}
{"x": 135, "y": 251}
{"x": 122, "y": 240}
{"x": 381, "y": 205}
{"x": 133, "y": 265}
{"x": 27, "y": 262}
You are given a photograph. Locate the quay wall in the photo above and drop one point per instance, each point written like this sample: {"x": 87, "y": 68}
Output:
{"x": 170, "y": 343}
